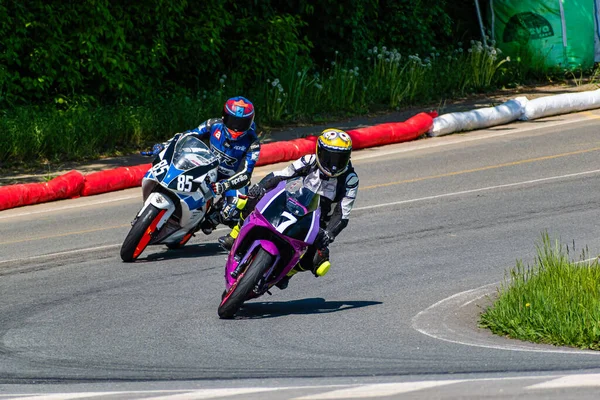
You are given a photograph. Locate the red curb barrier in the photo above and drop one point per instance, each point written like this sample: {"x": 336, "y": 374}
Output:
{"x": 74, "y": 183}
{"x": 378, "y": 135}
{"x": 67, "y": 186}
{"x": 394, "y": 132}
{"x": 113, "y": 179}
{"x": 63, "y": 187}
{"x": 272, "y": 153}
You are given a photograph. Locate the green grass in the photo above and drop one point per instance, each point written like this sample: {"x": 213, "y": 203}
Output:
{"x": 382, "y": 79}
{"x": 555, "y": 301}
{"x": 79, "y": 132}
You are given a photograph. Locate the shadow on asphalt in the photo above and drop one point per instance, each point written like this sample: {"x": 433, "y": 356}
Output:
{"x": 188, "y": 251}
{"x": 271, "y": 309}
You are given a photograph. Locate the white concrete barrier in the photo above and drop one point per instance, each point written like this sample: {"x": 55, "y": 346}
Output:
{"x": 479, "y": 119}
{"x": 561, "y": 104}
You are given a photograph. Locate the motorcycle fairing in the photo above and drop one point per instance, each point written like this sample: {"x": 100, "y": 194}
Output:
{"x": 160, "y": 187}
{"x": 274, "y": 207}
{"x": 170, "y": 179}
{"x": 172, "y": 173}
{"x": 175, "y": 151}
{"x": 258, "y": 230}
{"x": 194, "y": 202}
{"x": 286, "y": 223}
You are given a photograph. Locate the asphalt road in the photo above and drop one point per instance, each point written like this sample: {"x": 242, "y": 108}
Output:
{"x": 433, "y": 218}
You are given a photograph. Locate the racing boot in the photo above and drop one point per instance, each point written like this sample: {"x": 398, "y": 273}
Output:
{"x": 209, "y": 224}
{"x": 227, "y": 241}
{"x": 284, "y": 282}
{"x": 320, "y": 267}
{"x": 321, "y": 262}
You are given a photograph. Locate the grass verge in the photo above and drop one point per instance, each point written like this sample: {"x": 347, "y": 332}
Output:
{"x": 73, "y": 129}
{"x": 555, "y": 301}
{"x": 384, "y": 79}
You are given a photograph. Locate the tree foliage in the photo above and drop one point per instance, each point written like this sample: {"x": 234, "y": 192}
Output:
{"x": 106, "y": 52}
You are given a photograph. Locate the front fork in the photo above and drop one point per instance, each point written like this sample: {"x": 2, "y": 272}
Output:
{"x": 268, "y": 246}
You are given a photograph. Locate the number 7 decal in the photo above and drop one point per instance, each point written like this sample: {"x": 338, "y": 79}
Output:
{"x": 290, "y": 221}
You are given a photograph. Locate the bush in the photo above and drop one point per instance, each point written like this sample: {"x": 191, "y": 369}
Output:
{"x": 78, "y": 129}
{"x": 106, "y": 52}
{"x": 80, "y": 79}
{"x": 264, "y": 45}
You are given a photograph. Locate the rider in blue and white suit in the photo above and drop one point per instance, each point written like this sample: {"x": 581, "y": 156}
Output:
{"x": 234, "y": 141}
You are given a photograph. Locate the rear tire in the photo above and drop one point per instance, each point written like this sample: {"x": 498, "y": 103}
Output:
{"x": 233, "y": 300}
{"x": 141, "y": 233}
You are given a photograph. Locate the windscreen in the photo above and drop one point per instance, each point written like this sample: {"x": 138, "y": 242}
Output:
{"x": 300, "y": 200}
{"x": 191, "y": 152}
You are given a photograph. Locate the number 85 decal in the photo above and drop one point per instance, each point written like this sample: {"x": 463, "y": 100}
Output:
{"x": 184, "y": 183}
{"x": 160, "y": 168}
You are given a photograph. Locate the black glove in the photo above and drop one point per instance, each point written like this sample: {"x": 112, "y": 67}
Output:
{"x": 324, "y": 237}
{"x": 220, "y": 187}
{"x": 157, "y": 148}
{"x": 230, "y": 212}
{"x": 256, "y": 191}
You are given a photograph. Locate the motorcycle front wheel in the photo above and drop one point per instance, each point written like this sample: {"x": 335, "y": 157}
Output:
{"x": 141, "y": 233}
{"x": 246, "y": 282}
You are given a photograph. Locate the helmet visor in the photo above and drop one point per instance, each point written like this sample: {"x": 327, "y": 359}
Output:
{"x": 238, "y": 124}
{"x": 333, "y": 163}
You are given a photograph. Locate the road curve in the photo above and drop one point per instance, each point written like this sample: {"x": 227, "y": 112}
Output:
{"x": 433, "y": 218}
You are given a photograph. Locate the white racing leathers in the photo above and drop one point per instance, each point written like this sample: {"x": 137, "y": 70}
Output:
{"x": 337, "y": 194}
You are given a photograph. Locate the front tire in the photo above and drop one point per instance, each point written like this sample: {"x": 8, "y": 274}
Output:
{"x": 141, "y": 233}
{"x": 233, "y": 300}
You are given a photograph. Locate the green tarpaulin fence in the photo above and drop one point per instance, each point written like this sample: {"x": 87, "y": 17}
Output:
{"x": 550, "y": 33}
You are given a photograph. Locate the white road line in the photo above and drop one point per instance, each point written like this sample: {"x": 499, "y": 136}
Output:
{"x": 62, "y": 253}
{"x": 552, "y": 178}
{"x": 330, "y": 392}
{"x": 432, "y": 322}
{"x": 374, "y": 206}
{"x": 67, "y": 396}
{"x": 78, "y": 395}
{"x": 376, "y": 390}
{"x": 211, "y": 393}
{"x": 570, "y": 381}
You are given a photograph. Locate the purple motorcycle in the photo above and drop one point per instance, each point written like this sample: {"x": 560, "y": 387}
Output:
{"x": 270, "y": 243}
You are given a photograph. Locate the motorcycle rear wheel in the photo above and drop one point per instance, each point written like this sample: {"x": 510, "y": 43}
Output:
{"x": 233, "y": 300}
{"x": 141, "y": 233}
